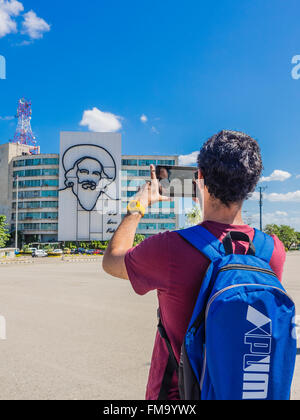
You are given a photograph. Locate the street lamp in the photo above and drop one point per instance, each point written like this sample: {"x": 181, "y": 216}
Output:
{"x": 261, "y": 197}
{"x": 17, "y": 213}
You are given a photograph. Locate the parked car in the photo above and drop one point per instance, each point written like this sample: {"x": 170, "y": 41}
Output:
{"x": 57, "y": 252}
{"x": 90, "y": 252}
{"x": 39, "y": 253}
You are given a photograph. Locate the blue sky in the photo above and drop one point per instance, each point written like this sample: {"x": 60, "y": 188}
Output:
{"x": 191, "y": 68}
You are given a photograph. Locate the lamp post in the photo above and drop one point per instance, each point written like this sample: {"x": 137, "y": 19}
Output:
{"x": 261, "y": 197}
{"x": 17, "y": 213}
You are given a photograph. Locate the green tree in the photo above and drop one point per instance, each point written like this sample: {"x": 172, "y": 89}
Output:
{"x": 285, "y": 233}
{"x": 272, "y": 229}
{"x": 138, "y": 239}
{"x": 194, "y": 216}
{"x": 298, "y": 238}
{"x": 4, "y": 235}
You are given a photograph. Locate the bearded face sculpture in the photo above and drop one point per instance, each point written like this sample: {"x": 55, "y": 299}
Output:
{"x": 89, "y": 178}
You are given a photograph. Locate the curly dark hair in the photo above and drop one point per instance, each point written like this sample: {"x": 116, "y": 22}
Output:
{"x": 231, "y": 165}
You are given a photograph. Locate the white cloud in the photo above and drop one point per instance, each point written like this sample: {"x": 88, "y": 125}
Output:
{"x": 34, "y": 26}
{"x": 9, "y": 10}
{"x": 255, "y": 196}
{"x": 287, "y": 197}
{"x": 298, "y": 176}
{"x": 293, "y": 197}
{"x": 188, "y": 160}
{"x": 277, "y": 217}
{"x": 277, "y": 175}
{"x": 144, "y": 118}
{"x": 99, "y": 121}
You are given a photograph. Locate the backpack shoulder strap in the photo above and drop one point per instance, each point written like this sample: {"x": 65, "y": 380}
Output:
{"x": 204, "y": 241}
{"x": 264, "y": 245}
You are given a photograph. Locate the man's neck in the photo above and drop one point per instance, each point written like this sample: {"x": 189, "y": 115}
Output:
{"x": 221, "y": 214}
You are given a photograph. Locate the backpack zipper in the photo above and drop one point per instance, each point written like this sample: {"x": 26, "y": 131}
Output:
{"x": 224, "y": 290}
{"x": 247, "y": 268}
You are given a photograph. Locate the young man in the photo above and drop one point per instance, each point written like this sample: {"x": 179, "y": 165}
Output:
{"x": 230, "y": 165}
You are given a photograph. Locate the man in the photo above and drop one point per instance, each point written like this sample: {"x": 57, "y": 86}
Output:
{"x": 230, "y": 167}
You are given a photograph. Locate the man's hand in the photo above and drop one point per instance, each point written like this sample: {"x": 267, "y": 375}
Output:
{"x": 149, "y": 193}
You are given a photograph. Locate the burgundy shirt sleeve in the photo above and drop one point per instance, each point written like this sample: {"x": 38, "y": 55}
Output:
{"x": 148, "y": 264}
{"x": 278, "y": 257}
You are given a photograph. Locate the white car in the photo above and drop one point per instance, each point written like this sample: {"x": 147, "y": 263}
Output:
{"x": 39, "y": 253}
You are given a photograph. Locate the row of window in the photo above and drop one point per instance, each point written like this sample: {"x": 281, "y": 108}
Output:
{"x": 37, "y": 226}
{"x": 35, "y": 194}
{"x": 36, "y": 204}
{"x": 35, "y": 216}
{"x": 146, "y": 162}
{"x": 133, "y": 183}
{"x": 161, "y": 205}
{"x": 159, "y": 216}
{"x": 155, "y": 226}
{"x": 125, "y": 162}
{"x": 135, "y": 172}
{"x": 36, "y": 172}
{"x": 32, "y": 183}
{"x": 36, "y": 162}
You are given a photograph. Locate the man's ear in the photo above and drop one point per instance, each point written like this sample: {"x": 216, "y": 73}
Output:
{"x": 200, "y": 175}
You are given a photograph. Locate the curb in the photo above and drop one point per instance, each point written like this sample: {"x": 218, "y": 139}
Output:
{"x": 15, "y": 262}
{"x": 81, "y": 260}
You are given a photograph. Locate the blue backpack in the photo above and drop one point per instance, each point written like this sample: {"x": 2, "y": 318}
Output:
{"x": 240, "y": 343}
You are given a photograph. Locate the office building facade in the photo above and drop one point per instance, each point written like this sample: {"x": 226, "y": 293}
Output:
{"x": 30, "y": 192}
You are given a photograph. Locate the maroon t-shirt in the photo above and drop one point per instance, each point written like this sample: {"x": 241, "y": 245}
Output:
{"x": 168, "y": 264}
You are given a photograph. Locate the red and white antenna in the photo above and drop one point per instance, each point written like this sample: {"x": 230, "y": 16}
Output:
{"x": 24, "y": 134}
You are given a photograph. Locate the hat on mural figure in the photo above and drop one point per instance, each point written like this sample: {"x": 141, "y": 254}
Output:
{"x": 89, "y": 170}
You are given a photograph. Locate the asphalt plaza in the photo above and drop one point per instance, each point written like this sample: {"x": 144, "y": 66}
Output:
{"x": 73, "y": 332}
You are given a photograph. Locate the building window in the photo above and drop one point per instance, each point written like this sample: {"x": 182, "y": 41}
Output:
{"x": 49, "y": 226}
{"x": 35, "y": 162}
{"x": 166, "y": 162}
{"x": 19, "y": 163}
{"x": 130, "y": 172}
{"x": 129, "y": 162}
{"x": 51, "y": 161}
{"x": 147, "y": 226}
{"x": 147, "y": 162}
{"x": 166, "y": 226}
{"x": 49, "y": 204}
{"x": 144, "y": 173}
{"x": 159, "y": 216}
{"x": 49, "y": 172}
{"x": 27, "y": 184}
{"x": 49, "y": 193}
{"x": 133, "y": 183}
{"x": 49, "y": 215}
{"x": 29, "y": 226}
{"x": 49, "y": 182}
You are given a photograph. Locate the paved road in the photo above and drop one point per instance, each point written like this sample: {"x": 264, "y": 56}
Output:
{"x": 75, "y": 333}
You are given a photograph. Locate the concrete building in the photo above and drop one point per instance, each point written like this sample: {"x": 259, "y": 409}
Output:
{"x": 34, "y": 180}
{"x": 30, "y": 184}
